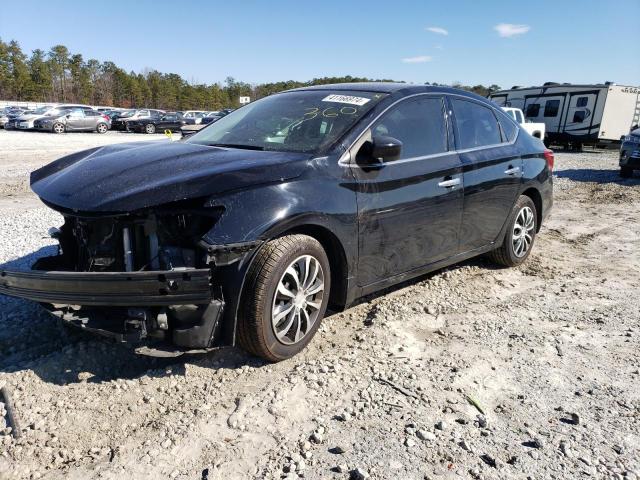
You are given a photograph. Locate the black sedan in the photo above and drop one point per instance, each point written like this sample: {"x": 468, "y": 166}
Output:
{"x": 157, "y": 123}
{"x": 247, "y": 231}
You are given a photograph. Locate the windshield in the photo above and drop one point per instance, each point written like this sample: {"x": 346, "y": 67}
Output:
{"x": 303, "y": 121}
{"x": 127, "y": 113}
{"x": 41, "y": 110}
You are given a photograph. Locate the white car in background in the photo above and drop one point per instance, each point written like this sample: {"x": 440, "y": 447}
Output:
{"x": 25, "y": 121}
{"x": 537, "y": 130}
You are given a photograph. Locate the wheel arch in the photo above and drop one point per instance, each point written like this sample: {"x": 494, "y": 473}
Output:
{"x": 337, "y": 260}
{"x": 536, "y": 197}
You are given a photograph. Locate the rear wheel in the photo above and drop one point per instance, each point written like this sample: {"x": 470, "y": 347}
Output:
{"x": 521, "y": 233}
{"x": 58, "y": 128}
{"x": 102, "y": 128}
{"x": 286, "y": 296}
{"x": 150, "y": 128}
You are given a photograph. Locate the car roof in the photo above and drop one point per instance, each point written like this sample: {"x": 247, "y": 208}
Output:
{"x": 391, "y": 87}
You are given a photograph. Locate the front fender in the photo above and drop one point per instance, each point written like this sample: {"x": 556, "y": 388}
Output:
{"x": 254, "y": 216}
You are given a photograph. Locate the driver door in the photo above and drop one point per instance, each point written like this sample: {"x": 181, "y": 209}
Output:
{"x": 410, "y": 209}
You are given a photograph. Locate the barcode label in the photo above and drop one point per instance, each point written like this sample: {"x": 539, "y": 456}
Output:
{"x": 348, "y": 99}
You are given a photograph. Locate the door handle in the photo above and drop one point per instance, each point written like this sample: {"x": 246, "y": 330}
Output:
{"x": 512, "y": 170}
{"x": 449, "y": 182}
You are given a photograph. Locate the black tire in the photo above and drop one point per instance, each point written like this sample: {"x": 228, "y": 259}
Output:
{"x": 506, "y": 254}
{"x": 102, "y": 128}
{"x": 150, "y": 128}
{"x": 58, "y": 128}
{"x": 256, "y": 334}
{"x": 626, "y": 172}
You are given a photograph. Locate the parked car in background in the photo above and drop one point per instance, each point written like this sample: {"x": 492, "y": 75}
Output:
{"x": 193, "y": 117}
{"x": 158, "y": 123}
{"x": 27, "y": 119}
{"x": 630, "y": 153}
{"x": 537, "y": 130}
{"x": 212, "y": 117}
{"x": 245, "y": 232}
{"x": 74, "y": 120}
{"x": 9, "y": 113}
{"x": 120, "y": 123}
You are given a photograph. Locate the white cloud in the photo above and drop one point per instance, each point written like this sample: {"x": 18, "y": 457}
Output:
{"x": 510, "y": 29}
{"x": 438, "y": 30}
{"x": 418, "y": 59}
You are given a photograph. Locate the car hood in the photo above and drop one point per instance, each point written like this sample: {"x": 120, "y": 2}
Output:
{"x": 31, "y": 116}
{"x": 132, "y": 176}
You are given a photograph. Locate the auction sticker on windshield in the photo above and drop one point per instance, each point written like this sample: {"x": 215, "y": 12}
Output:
{"x": 351, "y": 100}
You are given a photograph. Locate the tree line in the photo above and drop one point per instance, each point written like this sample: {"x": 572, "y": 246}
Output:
{"x": 59, "y": 75}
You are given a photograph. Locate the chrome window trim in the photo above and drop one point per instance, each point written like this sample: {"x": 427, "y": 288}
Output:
{"x": 345, "y": 158}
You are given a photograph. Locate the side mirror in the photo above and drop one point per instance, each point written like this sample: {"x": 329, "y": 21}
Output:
{"x": 68, "y": 115}
{"x": 386, "y": 149}
{"x": 187, "y": 133}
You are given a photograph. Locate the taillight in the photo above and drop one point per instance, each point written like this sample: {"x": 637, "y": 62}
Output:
{"x": 548, "y": 156}
{"x": 106, "y": 118}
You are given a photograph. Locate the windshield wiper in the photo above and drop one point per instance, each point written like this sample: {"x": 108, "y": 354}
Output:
{"x": 235, "y": 145}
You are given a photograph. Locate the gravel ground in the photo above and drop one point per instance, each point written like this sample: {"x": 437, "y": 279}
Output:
{"x": 472, "y": 372}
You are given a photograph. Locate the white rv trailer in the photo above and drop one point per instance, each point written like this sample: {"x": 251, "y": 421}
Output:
{"x": 577, "y": 114}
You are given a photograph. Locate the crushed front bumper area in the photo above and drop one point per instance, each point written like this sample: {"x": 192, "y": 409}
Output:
{"x": 178, "y": 306}
{"x": 159, "y": 288}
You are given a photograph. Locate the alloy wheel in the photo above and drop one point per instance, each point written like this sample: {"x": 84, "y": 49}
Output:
{"x": 150, "y": 128}
{"x": 297, "y": 300}
{"x": 102, "y": 128}
{"x": 523, "y": 231}
{"x": 58, "y": 128}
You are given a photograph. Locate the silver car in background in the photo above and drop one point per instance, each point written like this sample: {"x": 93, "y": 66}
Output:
{"x": 74, "y": 120}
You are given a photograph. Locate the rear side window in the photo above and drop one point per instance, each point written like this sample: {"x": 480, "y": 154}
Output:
{"x": 533, "y": 110}
{"x": 476, "y": 124}
{"x": 551, "y": 108}
{"x": 519, "y": 118}
{"x": 418, "y": 123}
{"x": 509, "y": 128}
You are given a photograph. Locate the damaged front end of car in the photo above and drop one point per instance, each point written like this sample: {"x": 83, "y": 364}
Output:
{"x": 145, "y": 276}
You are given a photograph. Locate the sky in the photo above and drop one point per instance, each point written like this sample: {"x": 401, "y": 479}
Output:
{"x": 472, "y": 42}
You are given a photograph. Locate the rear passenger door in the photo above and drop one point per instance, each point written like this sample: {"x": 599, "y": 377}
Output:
{"x": 76, "y": 119}
{"x": 492, "y": 170}
{"x": 409, "y": 210}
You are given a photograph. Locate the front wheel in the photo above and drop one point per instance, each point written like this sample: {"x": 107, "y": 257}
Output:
{"x": 102, "y": 128}
{"x": 521, "y": 233}
{"x": 150, "y": 128}
{"x": 58, "y": 128}
{"x": 286, "y": 295}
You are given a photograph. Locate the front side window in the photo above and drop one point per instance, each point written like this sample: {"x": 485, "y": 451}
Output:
{"x": 533, "y": 110}
{"x": 418, "y": 123}
{"x": 551, "y": 108}
{"x": 299, "y": 121}
{"x": 476, "y": 124}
